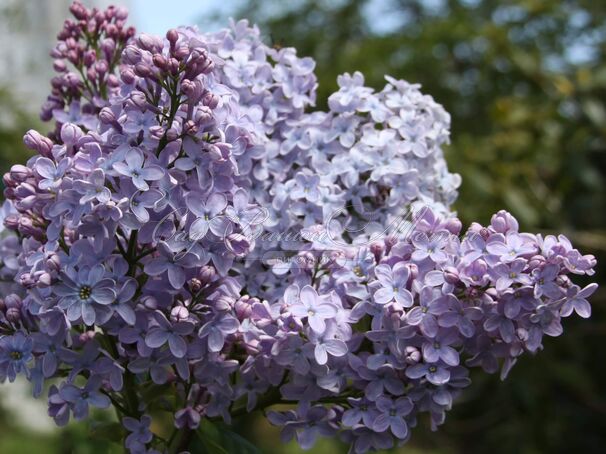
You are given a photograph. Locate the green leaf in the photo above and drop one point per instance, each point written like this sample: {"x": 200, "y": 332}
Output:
{"x": 218, "y": 438}
{"x": 111, "y": 431}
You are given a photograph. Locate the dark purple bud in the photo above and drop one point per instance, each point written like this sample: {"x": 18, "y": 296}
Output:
{"x": 160, "y": 61}
{"x": 194, "y": 285}
{"x": 101, "y": 67}
{"x": 143, "y": 70}
{"x": 13, "y": 315}
{"x": 90, "y": 56}
{"x": 377, "y": 249}
{"x": 108, "y": 46}
{"x": 206, "y": 274}
{"x": 91, "y": 74}
{"x": 173, "y": 66}
{"x": 414, "y": 271}
{"x": 111, "y": 30}
{"x": 172, "y": 36}
{"x": 128, "y": 76}
{"x": 187, "y": 417}
{"x": 79, "y": 11}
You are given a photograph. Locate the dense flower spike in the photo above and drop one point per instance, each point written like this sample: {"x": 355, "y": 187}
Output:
{"x": 191, "y": 230}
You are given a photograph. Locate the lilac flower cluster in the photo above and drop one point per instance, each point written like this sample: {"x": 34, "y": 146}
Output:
{"x": 190, "y": 240}
{"x": 86, "y": 56}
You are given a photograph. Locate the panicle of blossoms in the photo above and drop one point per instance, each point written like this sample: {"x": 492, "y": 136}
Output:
{"x": 85, "y": 58}
{"x": 132, "y": 245}
{"x": 431, "y": 305}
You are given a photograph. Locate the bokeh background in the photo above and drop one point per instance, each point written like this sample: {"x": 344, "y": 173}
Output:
{"x": 525, "y": 82}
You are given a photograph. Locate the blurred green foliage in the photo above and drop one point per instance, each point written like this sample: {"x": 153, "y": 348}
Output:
{"x": 14, "y": 122}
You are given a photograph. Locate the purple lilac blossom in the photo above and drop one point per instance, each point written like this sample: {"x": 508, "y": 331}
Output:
{"x": 133, "y": 246}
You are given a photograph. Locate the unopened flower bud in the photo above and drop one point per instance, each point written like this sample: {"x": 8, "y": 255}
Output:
{"x": 206, "y": 274}
{"x": 179, "y": 314}
{"x": 13, "y": 315}
{"x": 143, "y": 70}
{"x": 131, "y": 55}
{"x": 412, "y": 355}
{"x": 238, "y": 244}
{"x": 107, "y": 116}
{"x": 536, "y": 262}
{"x": 172, "y": 36}
{"x": 90, "y": 56}
{"x": 503, "y": 222}
{"x": 484, "y": 233}
{"x": 451, "y": 275}
{"x": 59, "y": 66}
{"x": 377, "y": 249}
{"x": 187, "y": 417}
{"x": 70, "y": 134}
{"x": 453, "y": 225}
{"x": 149, "y": 42}
{"x": 37, "y": 142}
{"x": 243, "y": 307}
{"x": 194, "y": 285}
{"x": 19, "y": 173}
{"x": 203, "y": 115}
{"x": 101, "y": 67}
{"x": 224, "y": 303}
{"x": 13, "y": 301}
{"x": 149, "y": 302}
{"x": 159, "y": 61}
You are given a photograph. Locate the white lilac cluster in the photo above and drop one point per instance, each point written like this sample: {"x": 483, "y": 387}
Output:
{"x": 193, "y": 239}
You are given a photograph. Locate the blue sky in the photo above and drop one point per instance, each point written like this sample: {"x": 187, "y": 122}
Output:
{"x": 157, "y": 16}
